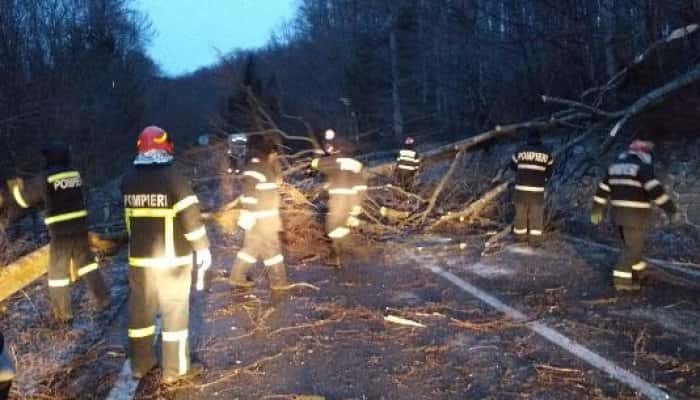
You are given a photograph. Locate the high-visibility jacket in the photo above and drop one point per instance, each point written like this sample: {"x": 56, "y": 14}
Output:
{"x": 162, "y": 217}
{"x": 631, "y": 187}
{"x": 344, "y": 174}
{"x": 533, "y": 165}
{"x": 260, "y": 196}
{"x": 61, "y": 191}
{"x": 408, "y": 160}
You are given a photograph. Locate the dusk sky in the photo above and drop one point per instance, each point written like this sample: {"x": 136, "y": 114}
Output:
{"x": 188, "y": 33}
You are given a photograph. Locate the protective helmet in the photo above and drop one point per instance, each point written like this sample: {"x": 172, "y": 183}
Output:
{"x": 329, "y": 135}
{"x": 56, "y": 153}
{"x": 642, "y": 146}
{"x": 409, "y": 140}
{"x": 154, "y": 138}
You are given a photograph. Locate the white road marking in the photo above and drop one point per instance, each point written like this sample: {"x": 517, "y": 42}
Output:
{"x": 571, "y": 346}
{"x": 125, "y": 386}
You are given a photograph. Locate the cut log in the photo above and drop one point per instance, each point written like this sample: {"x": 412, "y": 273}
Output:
{"x": 473, "y": 209}
{"x": 27, "y": 269}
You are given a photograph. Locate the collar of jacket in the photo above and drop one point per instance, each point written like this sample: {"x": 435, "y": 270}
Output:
{"x": 153, "y": 157}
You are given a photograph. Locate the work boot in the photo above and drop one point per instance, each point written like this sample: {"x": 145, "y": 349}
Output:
{"x": 334, "y": 259}
{"x": 278, "y": 278}
{"x": 241, "y": 282}
{"x": 626, "y": 285}
{"x": 196, "y": 368}
{"x": 144, "y": 371}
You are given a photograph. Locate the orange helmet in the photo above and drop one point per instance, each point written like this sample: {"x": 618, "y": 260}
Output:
{"x": 154, "y": 138}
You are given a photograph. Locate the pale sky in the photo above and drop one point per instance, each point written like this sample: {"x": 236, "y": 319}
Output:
{"x": 189, "y": 32}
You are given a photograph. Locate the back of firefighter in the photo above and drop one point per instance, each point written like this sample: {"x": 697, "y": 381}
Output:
{"x": 533, "y": 165}
{"x": 165, "y": 227}
{"x": 407, "y": 165}
{"x": 60, "y": 188}
{"x": 346, "y": 186}
{"x": 260, "y": 219}
{"x": 631, "y": 187}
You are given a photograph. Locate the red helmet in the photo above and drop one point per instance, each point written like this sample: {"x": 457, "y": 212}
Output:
{"x": 154, "y": 138}
{"x": 642, "y": 146}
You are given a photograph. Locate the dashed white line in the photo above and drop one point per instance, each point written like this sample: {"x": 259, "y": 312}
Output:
{"x": 571, "y": 346}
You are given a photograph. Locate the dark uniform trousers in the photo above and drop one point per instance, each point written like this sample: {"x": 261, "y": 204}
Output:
{"x": 405, "y": 178}
{"x": 73, "y": 250}
{"x": 529, "y": 214}
{"x": 166, "y": 290}
{"x": 631, "y": 262}
{"x": 262, "y": 243}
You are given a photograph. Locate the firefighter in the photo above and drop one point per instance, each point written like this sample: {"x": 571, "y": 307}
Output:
{"x": 165, "y": 227}
{"x": 7, "y": 369}
{"x": 346, "y": 186}
{"x": 407, "y": 165}
{"x": 260, "y": 218}
{"x": 631, "y": 188}
{"x": 60, "y": 189}
{"x": 533, "y": 165}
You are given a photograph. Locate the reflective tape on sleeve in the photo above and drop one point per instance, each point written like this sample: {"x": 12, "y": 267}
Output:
{"x": 138, "y": 333}
{"x": 600, "y": 200}
{"x": 87, "y": 269}
{"x": 651, "y": 184}
{"x": 65, "y": 217}
{"x": 196, "y": 234}
{"x": 604, "y": 187}
{"x": 184, "y": 203}
{"x": 17, "y": 195}
{"x": 661, "y": 200}
{"x": 640, "y": 266}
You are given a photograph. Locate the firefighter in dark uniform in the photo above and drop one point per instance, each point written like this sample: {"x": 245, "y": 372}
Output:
{"x": 346, "y": 187}
{"x": 631, "y": 187}
{"x": 533, "y": 165}
{"x": 7, "y": 369}
{"x": 165, "y": 227}
{"x": 407, "y": 165}
{"x": 260, "y": 218}
{"x": 60, "y": 188}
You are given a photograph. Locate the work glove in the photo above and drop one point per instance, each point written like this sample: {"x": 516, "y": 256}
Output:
{"x": 596, "y": 216}
{"x": 676, "y": 218}
{"x": 203, "y": 260}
